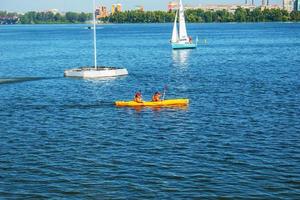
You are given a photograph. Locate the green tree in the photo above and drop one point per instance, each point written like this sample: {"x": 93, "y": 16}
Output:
{"x": 240, "y": 15}
{"x": 72, "y": 17}
{"x": 295, "y": 16}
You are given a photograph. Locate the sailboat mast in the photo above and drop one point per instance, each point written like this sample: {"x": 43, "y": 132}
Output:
{"x": 95, "y": 45}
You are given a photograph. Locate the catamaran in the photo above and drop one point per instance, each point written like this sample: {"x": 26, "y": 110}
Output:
{"x": 95, "y": 71}
{"x": 181, "y": 40}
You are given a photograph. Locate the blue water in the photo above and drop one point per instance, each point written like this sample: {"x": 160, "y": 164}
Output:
{"x": 63, "y": 138}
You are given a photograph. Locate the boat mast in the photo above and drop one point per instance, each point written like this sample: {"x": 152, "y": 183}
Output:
{"x": 95, "y": 45}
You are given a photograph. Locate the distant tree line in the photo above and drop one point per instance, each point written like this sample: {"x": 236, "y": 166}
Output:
{"x": 54, "y": 18}
{"x": 134, "y": 16}
{"x": 33, "y": 17}
{"x": 201, "y": 16}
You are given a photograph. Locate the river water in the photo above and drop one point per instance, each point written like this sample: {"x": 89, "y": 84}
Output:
{"x": 64, "y": 138}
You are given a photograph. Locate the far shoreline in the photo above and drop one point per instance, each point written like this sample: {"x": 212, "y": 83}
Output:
{"x": 103, "y": 24}
{"x": 240, "y": 15}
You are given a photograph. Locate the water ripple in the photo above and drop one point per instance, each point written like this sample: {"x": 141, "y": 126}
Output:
{"x": 63, "y": 138}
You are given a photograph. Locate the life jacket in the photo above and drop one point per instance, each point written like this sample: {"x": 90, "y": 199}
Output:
{"x": 156, "y": 97}
{"x": 138, "y": 99}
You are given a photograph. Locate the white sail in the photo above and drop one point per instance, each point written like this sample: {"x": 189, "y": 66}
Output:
{"x": 175, "y": 31}
{"x": 182, "y": 27}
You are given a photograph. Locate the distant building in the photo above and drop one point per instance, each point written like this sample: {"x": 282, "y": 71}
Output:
{"x": 270, "y": 7}
{"x": 218, "y": 7}
{"x": 140, "y": 8}
{"x": 113, "y": 9}
{"x": 9, "y": 19}
{"x": 97, "y": 12}
{"x": 172, "y": 5}
{"x": 288, "y": 5}
{"x": 247, "y": 2}
{"x": 297, "y": 5}
{"x": 265, "y": 2}
{"x": 116, "y": 8}
{"x": 101, "y": 12}
{"x": 54, "y": 11}
{"x": 119, "y": 7}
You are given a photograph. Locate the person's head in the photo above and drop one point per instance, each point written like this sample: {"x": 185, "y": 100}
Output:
{"x": 157, "y": 93}
{"x": 138, "y": 94}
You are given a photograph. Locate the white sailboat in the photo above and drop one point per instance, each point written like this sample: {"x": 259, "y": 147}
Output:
{"x": 95, "y": 71}
{"x": 181, "y": 40}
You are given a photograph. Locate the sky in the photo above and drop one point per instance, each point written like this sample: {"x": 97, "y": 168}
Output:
{"x": 86, "y": 5}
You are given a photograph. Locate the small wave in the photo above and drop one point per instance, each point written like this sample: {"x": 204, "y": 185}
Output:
{"x": 20, "y": 79}
{"x": 97, "y": 104}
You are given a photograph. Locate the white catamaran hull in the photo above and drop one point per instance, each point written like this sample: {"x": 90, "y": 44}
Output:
{"x": 99, "y": 72}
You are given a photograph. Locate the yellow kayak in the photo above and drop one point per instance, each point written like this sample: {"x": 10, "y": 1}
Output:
{"x": 170, "y": 102}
